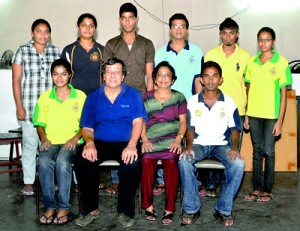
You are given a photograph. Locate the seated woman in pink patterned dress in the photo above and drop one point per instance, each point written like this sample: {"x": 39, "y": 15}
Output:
{"x": 162, "y": 139}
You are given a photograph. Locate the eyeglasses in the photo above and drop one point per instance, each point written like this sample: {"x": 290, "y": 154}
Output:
{"x": 178, "y": 27}
{"x": 267, "y": 40}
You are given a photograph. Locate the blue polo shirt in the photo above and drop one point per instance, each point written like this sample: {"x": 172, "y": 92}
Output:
{"x": 113, "y": 122}
{"x": 213, "y": 125}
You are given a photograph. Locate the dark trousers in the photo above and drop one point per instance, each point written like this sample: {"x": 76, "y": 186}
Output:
{"x": 171, "y": 176}
{"x": 263, "y": 141}
{"x": 88, "y": 177}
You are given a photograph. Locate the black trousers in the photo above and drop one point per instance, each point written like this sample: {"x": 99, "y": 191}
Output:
{"x": 88, "y": 177}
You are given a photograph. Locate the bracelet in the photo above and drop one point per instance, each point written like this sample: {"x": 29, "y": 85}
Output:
{"x": 181, "y": 136}
{"x": 89, "y": 143}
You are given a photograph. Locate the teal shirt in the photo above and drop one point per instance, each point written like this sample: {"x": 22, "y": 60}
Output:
{"x": 187, "y": 65}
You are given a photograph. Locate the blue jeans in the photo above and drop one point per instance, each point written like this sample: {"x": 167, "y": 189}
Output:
{"x": 234, "y": 170}
{"x": 58, "y": 160}
{"x": 214, "y": 177}
{"x": 263, "y": 142}
{"x": 115, "y": 176}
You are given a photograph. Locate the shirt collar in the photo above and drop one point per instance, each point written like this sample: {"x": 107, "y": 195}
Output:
{"x": 274, "y": 59}
{"x": 136, "y": 35}
{"x": 201, "y": 99}
{"x": 124, "y": 88}
{"x": 235, "y": 51}
{"x": 30, "y": 43}
{"x": 54, "y": 96}
{"x": 186, "y": 47}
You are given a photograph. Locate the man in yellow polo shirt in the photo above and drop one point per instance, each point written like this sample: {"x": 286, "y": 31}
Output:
{"x": 233, "y": 61}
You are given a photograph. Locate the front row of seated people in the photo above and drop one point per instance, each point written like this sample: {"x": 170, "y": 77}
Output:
{"x": 112, "y": 121}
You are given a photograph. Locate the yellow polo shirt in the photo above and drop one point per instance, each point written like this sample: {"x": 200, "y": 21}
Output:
{"x": 233, "y": 68}
{"x": 59, "y": 119}
{"x": 265, "y": 81}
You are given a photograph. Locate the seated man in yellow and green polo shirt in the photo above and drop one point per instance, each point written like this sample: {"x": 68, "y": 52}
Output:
{"x": 56, "y": 117}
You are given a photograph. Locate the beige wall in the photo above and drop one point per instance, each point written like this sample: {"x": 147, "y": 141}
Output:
{"x": 16, "y": 17}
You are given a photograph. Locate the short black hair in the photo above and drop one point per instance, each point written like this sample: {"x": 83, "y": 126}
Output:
{"x": 112, "y": 61}
{"x": 268, "y": 30}
{"x": 128, "y": 7}
{"x": 179, "y": 16}
{"x": 38, "y": 22}
{"x": 209, "y": 64}
{"x": 164, "y": 64}
{"x": 87, "y": 15}
{"x": 61, "y": 62}
{"x": 229, "y": 23}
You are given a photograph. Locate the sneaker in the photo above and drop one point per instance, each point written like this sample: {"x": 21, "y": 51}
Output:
{"x": 87, "y": 219}
{"x": 125, "y": 221}
{"x": 27, "y": 191}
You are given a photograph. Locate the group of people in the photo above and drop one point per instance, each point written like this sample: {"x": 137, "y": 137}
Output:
{"x": 126, "y": 102}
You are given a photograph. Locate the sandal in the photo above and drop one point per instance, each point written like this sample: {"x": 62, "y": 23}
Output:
{"x": 167, "y": 218}
{"x": 61, "y": 220}
{"x": 150, "y": 216}
{"x": 64, "y": 219}
{"x": 264, "y": 198}
{"x": 251, "y": 196}
{"x": 112, "y": 189}
{"x": 101, "y": 185}
{"x": 211, "y": 193}
{"x": 227, "y": 220}
{"x": 44, "y": 220}
{"x": 191, "y": 216}
{"x": 158, "y": 189}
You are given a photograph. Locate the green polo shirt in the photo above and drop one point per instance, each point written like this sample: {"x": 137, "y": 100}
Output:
{"x": 265, "y": 81}
{"x": 233, "y": 68}
{"x": 60, "y": 119}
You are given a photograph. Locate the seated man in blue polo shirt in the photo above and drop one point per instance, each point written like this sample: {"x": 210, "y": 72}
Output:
{"x": 111, "y": 122}
{"x": 212, "y": 116}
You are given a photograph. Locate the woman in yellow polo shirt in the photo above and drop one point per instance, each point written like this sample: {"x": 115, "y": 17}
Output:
{"x": 56, "y": 117}
{"x": 267, "y": 76}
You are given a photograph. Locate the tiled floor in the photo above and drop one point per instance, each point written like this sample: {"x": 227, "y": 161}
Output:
{"x": 17, "y": 212}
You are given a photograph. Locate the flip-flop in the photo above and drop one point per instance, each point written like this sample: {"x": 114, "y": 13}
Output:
{"x": 253, "y": 197}
{"x": 270, "y": 197}
{"x": 57, "y": 220}
{"x": 158, "y": 189}
{"x": 48, "y": 220}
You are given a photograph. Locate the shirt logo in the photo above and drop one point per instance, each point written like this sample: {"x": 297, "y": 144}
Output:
{"x": 192, "y": 60}
{"x": 94, "y": 56}
{"x": 125, "y": 106}
{"x": 75, "y": 107}
{"x": 198, "y": 112}
{"x": 273, "y": 71}
{"x": 222, "y": 112}
{"x": 238, "y": 67}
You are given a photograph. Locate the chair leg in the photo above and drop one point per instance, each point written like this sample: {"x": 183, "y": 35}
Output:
{"x": 37, "y": 198}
